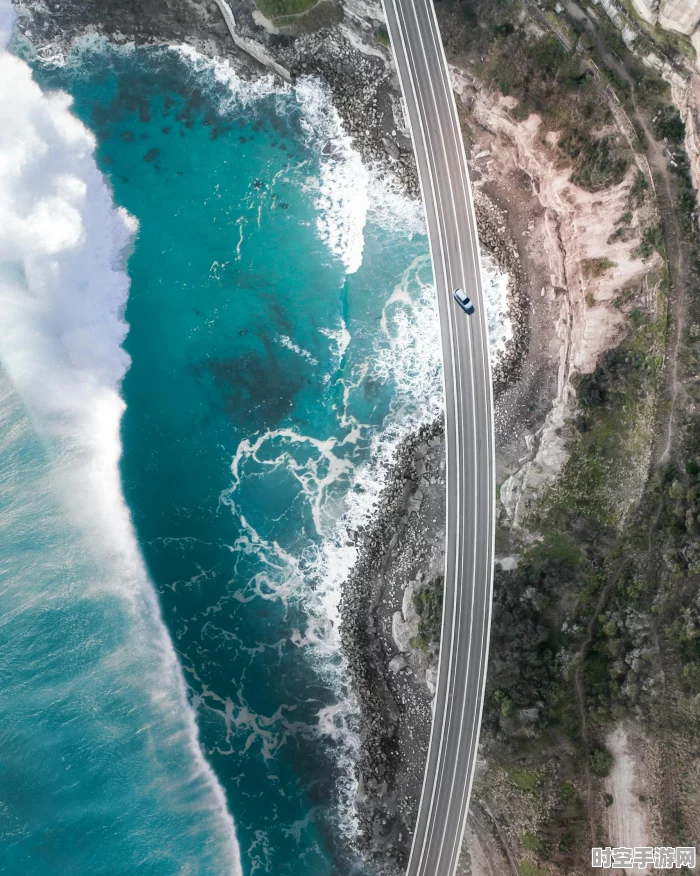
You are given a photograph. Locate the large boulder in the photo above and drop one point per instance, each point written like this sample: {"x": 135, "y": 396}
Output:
{"x": 405, "y": 624}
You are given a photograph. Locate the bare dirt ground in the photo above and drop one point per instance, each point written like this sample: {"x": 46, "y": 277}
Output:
{"x": 484, "y": 849}
{"x": 632, "y": 816}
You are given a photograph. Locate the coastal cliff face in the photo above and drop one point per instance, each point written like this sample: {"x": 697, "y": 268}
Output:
{"x": 680, "y": 15}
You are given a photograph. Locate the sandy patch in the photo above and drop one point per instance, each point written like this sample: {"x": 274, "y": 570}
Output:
{"x": 261, "y": 21}
{"x": 482, "y": 849}
{"x": 631, "y": 819}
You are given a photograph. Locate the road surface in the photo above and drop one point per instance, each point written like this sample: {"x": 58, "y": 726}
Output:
{"x": 442, "y": 169}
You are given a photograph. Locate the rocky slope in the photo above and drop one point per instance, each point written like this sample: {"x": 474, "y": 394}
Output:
{"x": 680, "y": 15}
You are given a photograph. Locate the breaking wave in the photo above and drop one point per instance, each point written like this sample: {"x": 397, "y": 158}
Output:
{"x": 63, "y": 290}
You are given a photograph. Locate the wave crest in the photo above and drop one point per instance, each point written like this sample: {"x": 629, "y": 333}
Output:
{"x": 63, "y": 291}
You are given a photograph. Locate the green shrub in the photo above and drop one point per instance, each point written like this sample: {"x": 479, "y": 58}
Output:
{"x": 531, "y": 842}
{"x": 529, "y": 869}
{"x": 668, "y": 123}
{"x": 381, "y": 35}
{"x": 652, "y": 240}
{"x": 505, "y": 703}
{"x": 597, "y": 267}
{"x": 639, "y": 189}
{"x": 597, "y": 163}
{"x": 524, "y": 778}
{"x": 428, "y": 603}
{"x": 601, "y": 762}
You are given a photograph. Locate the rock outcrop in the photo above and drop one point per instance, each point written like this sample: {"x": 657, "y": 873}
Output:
{"x": 393, "y": 668}
{"x": 680, "y": 15}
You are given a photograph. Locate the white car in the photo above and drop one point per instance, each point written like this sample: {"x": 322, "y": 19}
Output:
{"x": 464, "y": 301}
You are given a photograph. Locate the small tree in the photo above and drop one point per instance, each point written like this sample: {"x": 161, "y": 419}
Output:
{"x": 601, "y": 762}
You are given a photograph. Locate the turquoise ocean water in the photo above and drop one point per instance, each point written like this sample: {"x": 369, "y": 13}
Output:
{"x": 172, "y": 698}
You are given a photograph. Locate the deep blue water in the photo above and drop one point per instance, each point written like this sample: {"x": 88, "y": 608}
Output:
{"x": 264, "y": 380}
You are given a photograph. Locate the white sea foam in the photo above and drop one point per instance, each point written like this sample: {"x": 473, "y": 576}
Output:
{"x": 495, "y": 285}
{"x": 390, "y": 208}
{"x": 340, "y": 496}
{"x": 287, "y": 342}
{"x": 342, "y": 196}
{"x": 350, "y": 193}
{"x": 240, "y": 92}
{"x": 340, "y": 337}
{"x": 63, "y": 290}
{"x": 316, "y": 474}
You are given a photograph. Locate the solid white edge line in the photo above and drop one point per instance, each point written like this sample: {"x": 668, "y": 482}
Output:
{"x": 458, "y": 629}
{"x": 431, "y": 243}
{"x": 486, "y": 382}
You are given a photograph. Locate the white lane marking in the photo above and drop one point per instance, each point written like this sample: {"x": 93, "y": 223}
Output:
{"x": 459, "y": 754}
{"x": 484, "y": 373}
{"x": 462, "y": 558}
{"x": 459, "y": 576}
{"x": 443, "y": 681}
{"x": 456, "y": 145}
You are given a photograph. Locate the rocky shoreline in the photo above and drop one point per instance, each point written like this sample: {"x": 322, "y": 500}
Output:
{"x": 401, "y": 556}
{"x": 496, "y": 239}
{"x": 356, "y": 67}
{"x": 393, "y": 671}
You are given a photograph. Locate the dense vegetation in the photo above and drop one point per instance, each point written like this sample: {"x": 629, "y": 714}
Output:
{"x": 428, "y": 603}
{"x": 669, "y": 125}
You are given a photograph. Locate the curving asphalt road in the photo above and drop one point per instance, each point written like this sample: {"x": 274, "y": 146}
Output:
{"x": 442, "y": 168}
